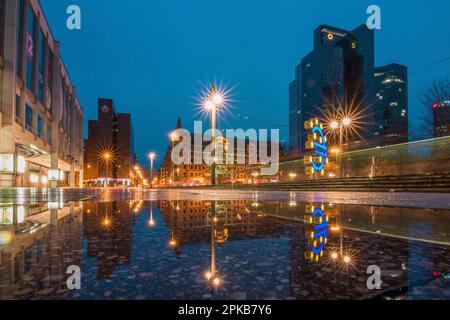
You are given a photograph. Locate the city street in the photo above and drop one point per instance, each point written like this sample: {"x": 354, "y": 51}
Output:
{"x": 224, "y": 150}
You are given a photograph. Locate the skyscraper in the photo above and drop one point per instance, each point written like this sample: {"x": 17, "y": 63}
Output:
{"x": 336, "y": 75}
{"x": 392, "y": 107}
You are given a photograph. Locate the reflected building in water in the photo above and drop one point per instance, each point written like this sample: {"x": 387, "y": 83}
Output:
{"x": 37, "y": 244}
{"x": 108, "y": 230}
{"x": 359, "y": 237}
{"x": 189, "y": 222}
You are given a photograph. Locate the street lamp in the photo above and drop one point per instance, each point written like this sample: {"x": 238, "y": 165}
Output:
{"x": 173, "y": 137}
{"x": 341, "y": 124}
{"x": 214, "y": 101}
{"x": 105, "y": 156}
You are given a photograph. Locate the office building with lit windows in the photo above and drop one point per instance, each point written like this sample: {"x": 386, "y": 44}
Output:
{"x": 336, "y": 75}
{"x": 109, "y": 150}
{"x": 391, "y": 113}
{"x": 294, "y": 119}
{"x": 41, "y": 120}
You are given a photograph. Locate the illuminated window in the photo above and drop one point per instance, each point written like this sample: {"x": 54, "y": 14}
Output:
{"x": 21, "y": 164}
{"x": 34, "y": 178}
{"x": 6, "y": 163}
{"x": 330, "y": 36}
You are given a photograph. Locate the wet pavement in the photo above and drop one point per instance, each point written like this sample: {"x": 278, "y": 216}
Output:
{"x": 395, "y": 199}
{"x": 130, "y": 244}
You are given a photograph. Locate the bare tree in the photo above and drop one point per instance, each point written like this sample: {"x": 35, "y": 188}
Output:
{"x": 438, "y": 91}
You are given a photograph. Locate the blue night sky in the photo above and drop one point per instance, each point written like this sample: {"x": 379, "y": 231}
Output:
{"x": 152, "y": 56}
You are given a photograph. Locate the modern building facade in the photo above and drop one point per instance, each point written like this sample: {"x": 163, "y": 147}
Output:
{"x": 441, "y": 118}
{"x": 392, "y": 107}
{"x": 336, "y": 75}
{"x": 109, "y": 153}
{"x": 41, "y": 119}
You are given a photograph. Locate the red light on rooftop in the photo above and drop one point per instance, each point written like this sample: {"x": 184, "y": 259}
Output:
{"x": 435, "y": 105}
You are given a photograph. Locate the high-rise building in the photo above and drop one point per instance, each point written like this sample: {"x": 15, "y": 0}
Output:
{"x": 391, "y": 114}
{"x": 41, "y": 119}
{"x": 441, "y": 118}
{"x": 336, "y": 75}
{"x": 294, "y": 119}
{"x": 109, "y": 153}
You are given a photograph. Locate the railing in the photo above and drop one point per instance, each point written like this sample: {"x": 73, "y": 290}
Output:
{"x": 422, "y": 157}
{"x": 28, "y": 127}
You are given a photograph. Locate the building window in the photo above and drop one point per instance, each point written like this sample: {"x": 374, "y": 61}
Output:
{"x": 29, "y": 118}
{"x": 42, "y": 42}
{"x": 30, "y": 49}
{"x": 19, "y": 37}
{"x": 39, "y": 126}
{"x": 18, "y": 118}
{"x": 49, "y": 79}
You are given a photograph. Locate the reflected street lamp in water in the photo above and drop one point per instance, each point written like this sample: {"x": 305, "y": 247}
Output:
{"x": 151, "y": 222}
{"x": 211, "y": 275}
{"x": 152, "y": 157}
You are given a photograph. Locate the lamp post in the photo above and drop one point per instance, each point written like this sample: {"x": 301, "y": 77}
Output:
{"x": 106, "y": 157}
{"x": 340, "y": 124}
{"x": 152, "y": 157}
{"x": 214, "y": 101}
{"x": 173, "y": 138}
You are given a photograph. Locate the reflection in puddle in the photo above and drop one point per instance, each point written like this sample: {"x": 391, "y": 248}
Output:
{"x": 221, "y": 250}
